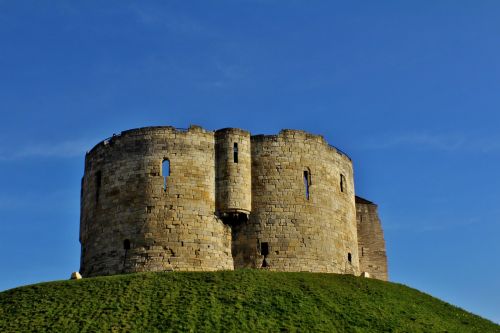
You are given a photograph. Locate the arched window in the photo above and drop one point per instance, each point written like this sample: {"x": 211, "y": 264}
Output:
{"x": 165, "y": 171}
{"x": 349, "y": 257}
{"x": 342, "y": 183}
{"x": 307, "y": 182}
{"x": 126, "y": 244}
{"x": 235, "y": 152}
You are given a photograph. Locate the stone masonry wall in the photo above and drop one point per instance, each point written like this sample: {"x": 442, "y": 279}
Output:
{"x": 233, "y": 175}
{"x": 172, "y": 228}
{"x": 372, "y": 255}
{"x": 287, "y": 229}
{"x": 286, "y": 202}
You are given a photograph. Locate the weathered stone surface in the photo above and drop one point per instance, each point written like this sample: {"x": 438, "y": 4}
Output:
{"x": 76, "y": 276}
{"x": 281, "y": 202}
{"x": 373, "y": 258}
{"x": 314, "y": 233}
{"x": 233, "y": 174}
{"x": 167, "y": 229}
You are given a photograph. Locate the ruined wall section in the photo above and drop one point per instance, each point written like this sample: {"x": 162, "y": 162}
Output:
{"x": 288, "y": 229}
{"x": 233, "y": 173}
{"x": 372, "y": 253}
{"x": 130, "y": 222}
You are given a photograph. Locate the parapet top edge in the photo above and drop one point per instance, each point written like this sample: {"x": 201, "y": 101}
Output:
{"x": 146, "y": 129}
{"x": 197, "y": 128}
{"x": 300, "y": 132}
{"x": 362, "y": 200}
{"x": 232, "y": 129}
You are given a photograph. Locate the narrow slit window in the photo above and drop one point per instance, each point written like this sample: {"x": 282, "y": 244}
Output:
{"x": 165, "y": 171}
{"x": 98, "y": 180}
{"x": 126, "y": 244}
{"x": 349, "y": 257}
{"x": 307, "y": 182}
{"x": 342, "y": 183}
{"x": 235, "y": 152}
{"x": 264, "y": 248}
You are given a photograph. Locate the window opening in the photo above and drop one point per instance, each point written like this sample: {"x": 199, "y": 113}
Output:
{"x": 98, "y": 180}
{"x": 349, "y": 257}
{"x": 362, "y": 251}
{"x": 235, "y": 152}
{"x": 126, "y": 247}
{"x": 342, "y": 183}
{"x": 264, "y": 248}
{"x": 165, "y": 171}
{"x": 307, "y": 182}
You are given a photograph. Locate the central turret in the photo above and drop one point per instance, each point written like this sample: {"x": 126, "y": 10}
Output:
{"x": 233, "y": 181}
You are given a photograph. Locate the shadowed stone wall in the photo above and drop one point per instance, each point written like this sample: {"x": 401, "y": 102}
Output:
{"x": 372, "y": 255}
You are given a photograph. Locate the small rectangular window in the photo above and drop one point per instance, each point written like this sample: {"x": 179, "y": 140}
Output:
{"x": 235, "y": 152}
{"x": 264, "y": 248}
{"x": 342, "y": 183}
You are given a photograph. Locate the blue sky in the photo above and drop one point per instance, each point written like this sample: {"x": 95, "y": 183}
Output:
{"x": 409, "y": 89}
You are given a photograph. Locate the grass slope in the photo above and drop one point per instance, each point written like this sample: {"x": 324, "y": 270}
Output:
{"x": 243, "y": 300}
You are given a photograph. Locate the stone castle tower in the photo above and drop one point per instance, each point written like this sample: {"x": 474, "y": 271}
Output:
{"x": 161, "y": 198}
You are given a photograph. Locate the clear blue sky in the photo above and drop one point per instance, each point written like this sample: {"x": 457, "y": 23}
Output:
{"x": 410, "y": 89}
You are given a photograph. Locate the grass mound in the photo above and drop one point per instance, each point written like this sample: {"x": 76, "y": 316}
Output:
{"x": 243, "y": 300}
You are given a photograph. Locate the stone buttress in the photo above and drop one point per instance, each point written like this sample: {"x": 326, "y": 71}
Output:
{"x": 371, "y": 243}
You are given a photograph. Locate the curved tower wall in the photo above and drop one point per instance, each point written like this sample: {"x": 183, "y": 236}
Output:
{"x": 289, "y": 231}
{"x": 130, "y": 222}
{"x": 233, "y": 175}
{"x": 286, "y": 203}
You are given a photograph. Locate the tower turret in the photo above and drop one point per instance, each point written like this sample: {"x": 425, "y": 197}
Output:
{"x": 233, "y": 174}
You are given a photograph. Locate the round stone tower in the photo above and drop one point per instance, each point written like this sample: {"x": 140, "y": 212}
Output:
{"x": 303, "y": 208}
{"x": 161, "y": 198}
{"x": 148, "y": 203}
{"x": 233, "y": 174}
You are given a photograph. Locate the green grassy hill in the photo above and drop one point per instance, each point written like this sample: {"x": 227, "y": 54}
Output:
{"x": 244, "y": 300}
